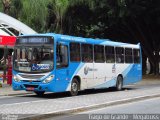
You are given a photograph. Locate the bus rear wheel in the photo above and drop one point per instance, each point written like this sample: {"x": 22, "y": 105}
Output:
{"x": 74, "y": 87}
{"x": 119, "y": 84}
{"x": 39, "y": 93}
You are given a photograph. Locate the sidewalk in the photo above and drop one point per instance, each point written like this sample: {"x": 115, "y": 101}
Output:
{"x": 6, "y": 90}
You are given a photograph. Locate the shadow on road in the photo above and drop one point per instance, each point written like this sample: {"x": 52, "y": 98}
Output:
{"x": 84, "y": 92}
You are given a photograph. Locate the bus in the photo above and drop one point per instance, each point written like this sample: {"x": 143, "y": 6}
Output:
{"x": 57, "y": 63}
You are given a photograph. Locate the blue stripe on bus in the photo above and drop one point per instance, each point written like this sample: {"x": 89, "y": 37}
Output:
{"x": 78, "y": 69}
{"x": 129, "y": 75}
{"x": 73, "y": 67}
{"x": 133, "y": 75}
{"x": 107, "y": 84}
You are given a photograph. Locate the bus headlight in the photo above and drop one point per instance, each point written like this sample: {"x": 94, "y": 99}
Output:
{"x": 15, "y": 77}
{"x": 49, "y": 79}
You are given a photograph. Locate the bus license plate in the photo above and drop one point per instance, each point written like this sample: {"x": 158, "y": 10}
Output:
{"x": 30, "y": 88}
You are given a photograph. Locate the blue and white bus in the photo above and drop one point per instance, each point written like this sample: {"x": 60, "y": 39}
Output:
{"x": 58, "y": 63}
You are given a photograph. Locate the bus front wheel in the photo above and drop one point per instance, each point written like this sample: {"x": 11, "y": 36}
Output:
{"x": 74, "y": 87}
{"x": 119, "y": 83}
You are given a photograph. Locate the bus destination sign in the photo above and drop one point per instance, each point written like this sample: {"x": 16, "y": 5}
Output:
{"x": 34, "y": 40}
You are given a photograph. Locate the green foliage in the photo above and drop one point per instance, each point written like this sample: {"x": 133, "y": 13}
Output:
{"x": 34, "y": 14}
{"x": 16, "y": 8}
{"x": 1, "y": 7}
{"x": 130, "y": 21}
{"x": 56, "y": 10}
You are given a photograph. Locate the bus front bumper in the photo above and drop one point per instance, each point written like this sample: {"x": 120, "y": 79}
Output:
{"x": 32, "y": 87}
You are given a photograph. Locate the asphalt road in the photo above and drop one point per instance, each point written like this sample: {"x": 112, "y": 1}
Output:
{"x": 149, "y": 106}
{"x": 10, "y": 103}
{"x": 34, "y": 97}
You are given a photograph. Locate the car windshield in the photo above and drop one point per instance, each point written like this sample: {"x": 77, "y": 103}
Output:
{"x": 33, "y": 58}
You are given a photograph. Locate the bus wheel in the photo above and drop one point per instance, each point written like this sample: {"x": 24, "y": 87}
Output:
{"x": 39, "y": 93}
{"x": 74, "y": 87}
{"x": 119, "y": 83}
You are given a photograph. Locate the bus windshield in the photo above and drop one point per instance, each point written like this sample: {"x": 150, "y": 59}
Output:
{"x": 35, "y": 59}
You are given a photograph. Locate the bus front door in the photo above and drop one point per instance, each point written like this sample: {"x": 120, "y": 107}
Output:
{"x": 62, "y": 64}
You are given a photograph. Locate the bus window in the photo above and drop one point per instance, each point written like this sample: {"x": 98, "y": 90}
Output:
{"x": 87, "y": 53}
{"x": 75, "y": 52}
{"x": 110, "y": 54}
{"x": 119, "y": 55}
{"x": 128, "y": 55}
{"x": 136, "y": 55}
{"x": 62, "y": 56}
{"x": 99, "y": 54}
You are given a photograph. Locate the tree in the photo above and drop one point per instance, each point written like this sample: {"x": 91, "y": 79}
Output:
{"x": 130, "y": 21}
{"x": 1, "y": 5}
{"x": 137, "y": 21}
{"x": 56, "y": 10}
{"x": 77, "y": 20}
{"x": 34, "y": 14}
{"x": 6, "y": 6}
{"x": 16, "y": 8}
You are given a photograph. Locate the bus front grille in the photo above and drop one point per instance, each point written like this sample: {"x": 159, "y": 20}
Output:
{"x": 31, "y": 81}
{"x": 31, "y": 76}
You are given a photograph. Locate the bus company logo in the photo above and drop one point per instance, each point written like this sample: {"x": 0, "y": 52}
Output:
{"x": 86, "y": 69}
{"x": 35, "y": 67}
{"x": 40, "y": 67}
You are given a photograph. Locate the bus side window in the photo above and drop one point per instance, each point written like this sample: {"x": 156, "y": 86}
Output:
{"x": 99, "y": 54}
{"x": 110, "y": 54}
{"x": 128, "y": 55}
{"x": 136, "y": 53}
{"x": 62, "y": 56}
{"x": 87, "y": 53}
{"x": 119, "y": 55}
{"x": 75, "y": 52}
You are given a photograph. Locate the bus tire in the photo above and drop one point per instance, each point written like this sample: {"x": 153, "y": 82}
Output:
{"x": 74, "y": 87}
{"x": 119, "y": 83}
{"x": 39, "y": 93}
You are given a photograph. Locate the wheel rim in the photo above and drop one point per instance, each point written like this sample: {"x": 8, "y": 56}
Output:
{"x": 74, "y": 87}
{"x": 119, "y": 83}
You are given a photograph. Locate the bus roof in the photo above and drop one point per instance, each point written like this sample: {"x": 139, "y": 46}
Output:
{"x": 88, "y": 40}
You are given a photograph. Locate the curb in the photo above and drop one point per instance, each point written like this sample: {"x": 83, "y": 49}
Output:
{"x": 85, "y": 108}
{"x": 14, "y": 94}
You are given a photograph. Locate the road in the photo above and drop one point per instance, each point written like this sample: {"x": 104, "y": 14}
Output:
{"x": 55, "y": 102}
{"x": 33, "y": 97}
{"x": 149, "y": 106}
